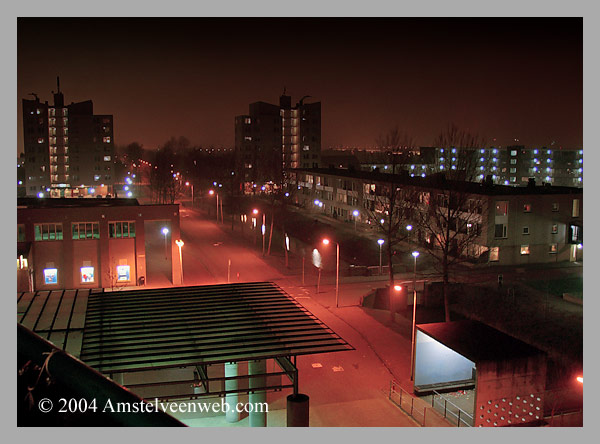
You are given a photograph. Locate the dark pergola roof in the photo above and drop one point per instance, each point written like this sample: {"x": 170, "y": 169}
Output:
{"x": 478, "y": 342}
{"x": 183, "y": 326}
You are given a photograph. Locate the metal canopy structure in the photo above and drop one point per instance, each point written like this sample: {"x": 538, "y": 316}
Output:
{"x": 197, "y": 326}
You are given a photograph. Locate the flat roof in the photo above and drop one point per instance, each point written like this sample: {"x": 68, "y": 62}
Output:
{"x": 478, "y": 342}
{"x": 66, "y": 202}
{"x": 125, "y": 331}
{"x": 437, "y": 181}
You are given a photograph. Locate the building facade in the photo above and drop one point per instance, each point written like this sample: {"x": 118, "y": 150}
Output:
{"x": 93, "y": 243}
{"x": 271, "y": 139}
{"x": 512, "y": 165}
{"x": 515, "y": 225}
{"x": 69, "y": 150}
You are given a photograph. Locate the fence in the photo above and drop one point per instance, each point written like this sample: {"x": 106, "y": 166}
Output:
{"x": 451, "y": 411}
{"x": 418, "y": 409}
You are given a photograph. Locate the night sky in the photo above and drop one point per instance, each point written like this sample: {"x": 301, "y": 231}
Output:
{"x": 503, "y": 79}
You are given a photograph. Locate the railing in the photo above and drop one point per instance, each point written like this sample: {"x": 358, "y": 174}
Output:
{"x": 406, "y": 402}
{"x": 451, "y": 411}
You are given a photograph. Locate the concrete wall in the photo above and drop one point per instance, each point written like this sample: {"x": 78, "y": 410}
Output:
{"x": 510, "y": 392}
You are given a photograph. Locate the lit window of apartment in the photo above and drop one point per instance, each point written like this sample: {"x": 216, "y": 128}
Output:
{"x": 575, "y": 212}
{"x": 51, "y": 111}
{"x": 52, "y": 121}
{"x": 121, "y": 229}
{"x": 555, "y": 206}
{"x": 85, "y": 230}
{"x": 39, "y": 111}
{"x": 513, "y": 170}
{"x": 50, "y": 232}
{"x": 524, "y": 250}
{"x": 106, "y": 139}
{"x": 513, "y": 179}
{"x": 527, "y": 208}
{"x": 554, "y": 228}
{"x": 20, "y": 233}
{"x": 107, "y": 158}
{"x": 513, "y": 161}
{"x": 40, "y": 140}
{"x": 553, "y": 248}
{"x": 513, "y": 153}
{"x": 494, "y": 254}
{"x": 247, "y": 138}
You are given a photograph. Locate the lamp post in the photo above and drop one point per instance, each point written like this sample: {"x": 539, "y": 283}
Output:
{"x": 355, "y": 213}
{"x": 180, "y": 244}
{"x": 380, "y": 242}
{"x": 409, "y": 229}
{"x": 211, "y": 192}
{"x": 187, "y": 184}
{"x": 165, "y": 231}
{"x": 263, "y": 229}
{"x": 337, "y": 271}
{"x": 414, "y": 317}
{"x": 255, "y": 214}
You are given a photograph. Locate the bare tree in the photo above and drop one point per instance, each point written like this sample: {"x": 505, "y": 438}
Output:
{"x": 387, "y": 202}
{"x": 449, "y": 215}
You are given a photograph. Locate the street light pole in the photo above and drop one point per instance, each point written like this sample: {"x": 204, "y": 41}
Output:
{"x": 414, "y": 317}
{"x": 355, "y": 213}
{"x": 263, "y": 232}
{"x": 337, "y": 275}
{"x": 165, "y": 231}
{"x": 380, "y": 242}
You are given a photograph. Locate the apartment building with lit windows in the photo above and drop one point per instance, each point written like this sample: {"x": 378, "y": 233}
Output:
{"x": 68, "y": 243}
{"x": 516, "y": 225}
{"x": 512, "y": 165}
{"x": 69, "y": 150}
{"x": 271, "y": 139}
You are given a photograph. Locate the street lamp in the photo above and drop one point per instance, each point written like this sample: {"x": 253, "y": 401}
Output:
{"x": 380, "y": 242}
{"x": 187, "y": 184}
{"x": 263, "y": 229}
{"x": 355, "y": 213}
{"x": 211, "y": 192}
{"x": 180, "y": 244}
{"x": 337, "y": 271}
{"x": 414, "y": 317}
{"x": 165, "y": 231}
{"x": 409, "y": 229}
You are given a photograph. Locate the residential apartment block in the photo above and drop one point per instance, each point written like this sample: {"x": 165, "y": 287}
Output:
{"x": 271, "y": 139}
{"x": 515, "y": 225}
{"x": 512, "y": 165}
{"x": 69, "y": 150}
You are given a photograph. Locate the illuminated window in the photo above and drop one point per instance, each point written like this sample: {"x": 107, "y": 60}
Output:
{"x": 107, "y": 158}
{"x": 513, "y": 161}
{"x": 85, "y": 230}
{"x": 553, "y": 248}
{"x": 494, "y": 254}
{"x": 513, "y": 153}
{"x": 554, "y": 228}
{"x": 502, "y": 208}
{"x": 247, "y": 138}
{"x": 123, "y": 273}
{"x": 96, "y": 178}
{"x": 51, "y": 111}
{"x": 247, "y": 120}
{"x": 524, "y": 250}
{"x": 50, "y": 276}
{"x": 40, "y": 140}
{"x": 121, "y": 229}
{"x": 575, "y": 212}
{"x": 527, "y": 208}
{"x": 45, "y": 232}
{"x": 87, "y": 274}
{"x": 106, "y": 139}
{"x": 20, "y": 233}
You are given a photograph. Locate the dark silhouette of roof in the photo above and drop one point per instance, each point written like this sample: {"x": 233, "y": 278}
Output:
{"x": 65, "y": 202}
{"x": 478, "y": 342}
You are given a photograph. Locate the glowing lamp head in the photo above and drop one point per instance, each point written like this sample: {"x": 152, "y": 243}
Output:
{"x": 398, "y": 287}
{"x": 579, "y": 246}
{"x": 40, "y": 194}
{"x": 580, "y": 379}
{"x": 187, "y": 184}
{"x": 415, "y": 254}
{"x": 211, "y": 192}
{"x": 165, "y": 231}
{"x": 255, "y": 211}
{"x": 409, "y": 227}
{"x": 355, "y": 213}
{"x": 325, "y": 241}
{"x": 380, "y": 241}
{"x": 129, "y": 194}
{"x": 382, "y": 221}
{"x": 179, "y": 243}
